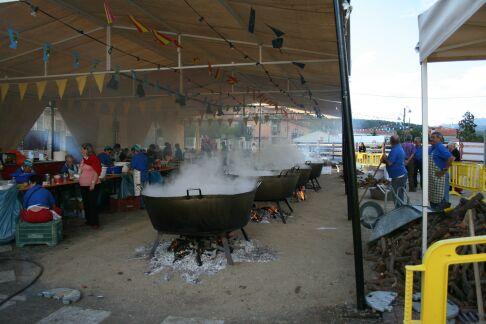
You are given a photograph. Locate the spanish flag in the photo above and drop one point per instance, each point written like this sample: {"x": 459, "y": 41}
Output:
{"x": 210, "y": 68}
{"x": 232, "y": 80}
{"x": 140, "y": 27}
{"x": 218, "y": 74}
{"x": 110, "y": 18}
{"x": 161, "y": 38}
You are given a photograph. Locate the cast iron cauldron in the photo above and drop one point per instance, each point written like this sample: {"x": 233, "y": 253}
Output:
{"x": 315, "y": 173}
{"x": 196, "y": 214}
{"x": 277, "y": 187}
{"x": 316, "y": 169}
{"x": 304, "y": 175}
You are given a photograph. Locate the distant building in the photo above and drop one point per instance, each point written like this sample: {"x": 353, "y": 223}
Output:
{"x": 450, "y": 134}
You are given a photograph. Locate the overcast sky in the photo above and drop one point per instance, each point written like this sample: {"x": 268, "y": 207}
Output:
{"x": 386, "y": 71}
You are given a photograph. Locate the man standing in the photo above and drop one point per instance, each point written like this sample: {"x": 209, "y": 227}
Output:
{"x": 140, "y": 162}
{"x": 439, "y": 164}
{"x": 417, "y": 162}
{"x": 454, "y": 151}
{"x": 105, "y": 156}
{"x": 395, "y": 166}
{"x": 409, "y": 149}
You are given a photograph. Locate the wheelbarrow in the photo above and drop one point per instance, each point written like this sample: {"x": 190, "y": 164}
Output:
{"x": 383, "y": 222}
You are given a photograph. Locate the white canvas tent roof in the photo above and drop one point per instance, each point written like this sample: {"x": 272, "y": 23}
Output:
{"x": 453, "y": 30}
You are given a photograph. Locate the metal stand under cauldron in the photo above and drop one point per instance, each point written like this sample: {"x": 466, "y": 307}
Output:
{"x": 224, "y": 240}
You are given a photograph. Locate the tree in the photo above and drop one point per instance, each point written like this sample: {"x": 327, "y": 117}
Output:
{"x": 467, "y": 129}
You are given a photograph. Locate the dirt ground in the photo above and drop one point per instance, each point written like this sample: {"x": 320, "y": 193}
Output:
{"x": 310, "y": 281}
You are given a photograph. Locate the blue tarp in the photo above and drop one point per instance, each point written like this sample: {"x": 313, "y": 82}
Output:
{"x": 9, "y": 213}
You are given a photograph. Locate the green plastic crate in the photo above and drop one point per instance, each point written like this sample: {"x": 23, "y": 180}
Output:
{"x": 39, "y": 233}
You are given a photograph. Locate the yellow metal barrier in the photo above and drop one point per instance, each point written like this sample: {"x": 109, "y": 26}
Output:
{"x": 435, "y": 268}
{"x": 468, "y": 175}
{"x": 368, "y": 159}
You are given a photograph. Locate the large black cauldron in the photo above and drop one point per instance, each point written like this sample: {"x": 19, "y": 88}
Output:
{"x": 196, "y": 214}
{"x": 315, "y": 174}
{"x": 304, "y": 175}
{"x": 277, "y": 187}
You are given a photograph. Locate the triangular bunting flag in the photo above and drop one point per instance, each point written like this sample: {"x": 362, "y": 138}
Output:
{"x": 81, "y": 80}
{"x": 140, "y": 27}
{"x": 41, "y": 88}
{"x": 251, "y": 21}
{"x": 210, "y": 68}
{"x": 22, "y": 90}
{"x": 255, "y": 119}
{"x": 61, "y": 87}
{"x": 4, "y": 89}
{"x": 218, "y": 74}
{"x": 298, "y": 64}
{"x": 276, "y": 31}
{"x": 230, "y": 121}
{"x": 99, "y": 79}
{"x": 232, "y": 80}
{"x": 110, "y": 18}
{"x": 161, "y": 38}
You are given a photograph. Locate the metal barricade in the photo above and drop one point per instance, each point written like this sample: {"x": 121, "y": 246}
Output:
{"x": 368, "y": 159}
{"x": 468, "y": 176}
{"x": 435, "y": 268}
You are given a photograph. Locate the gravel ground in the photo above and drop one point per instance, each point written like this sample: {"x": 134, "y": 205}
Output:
{"x": 311, "y": 280}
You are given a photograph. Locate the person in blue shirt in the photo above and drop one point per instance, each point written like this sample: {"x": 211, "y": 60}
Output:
{"x": 39, "y": 205}
{"x": 418, "y": 161}
{"x": 139, "y": 162}
{"x": 395, "y": 166}
{"x": 24, "y": 173}
{"x": 438, "y": 171}
{"x": 105, "y": 157}
{"x": 69, "y": 167}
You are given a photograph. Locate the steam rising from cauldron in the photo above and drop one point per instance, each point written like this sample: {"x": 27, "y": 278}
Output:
{"x": 207, "y": 175}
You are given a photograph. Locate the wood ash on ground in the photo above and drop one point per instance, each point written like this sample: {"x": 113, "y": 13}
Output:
{"x": 193, "y": 258}
{"x": 266, "y": 214}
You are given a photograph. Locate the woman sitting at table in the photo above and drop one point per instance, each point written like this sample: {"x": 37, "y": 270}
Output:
{"x": 24, "y": 173}
{"x": 69, "y": 167}
{"x": 89, "y": 172}
{"x": 39, "y": 204}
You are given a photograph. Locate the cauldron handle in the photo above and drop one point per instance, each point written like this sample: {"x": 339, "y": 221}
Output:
{"x": 193, "y": 189}
{"x": 259, "y": 182}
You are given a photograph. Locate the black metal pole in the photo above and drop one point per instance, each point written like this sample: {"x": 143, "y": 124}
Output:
{"x": 353, "y": 208}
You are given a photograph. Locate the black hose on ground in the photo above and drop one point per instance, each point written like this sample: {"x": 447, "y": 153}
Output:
{"x": 41, "y": 270}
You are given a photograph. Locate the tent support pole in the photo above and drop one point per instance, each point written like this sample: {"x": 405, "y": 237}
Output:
{"x": 108, "y": 48}
{"x": 352, "y": 197}
{"x": 51, "y": 103}
{"x": 179, "y": 64}
{"x": 425, "y": 154}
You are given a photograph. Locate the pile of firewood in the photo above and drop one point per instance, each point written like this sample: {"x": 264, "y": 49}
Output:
{"x": 391, "y": 253}
{"x": 370, "y": 181}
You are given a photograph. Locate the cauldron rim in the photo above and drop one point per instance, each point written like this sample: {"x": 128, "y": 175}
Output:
{"x": 196, "y": 196}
